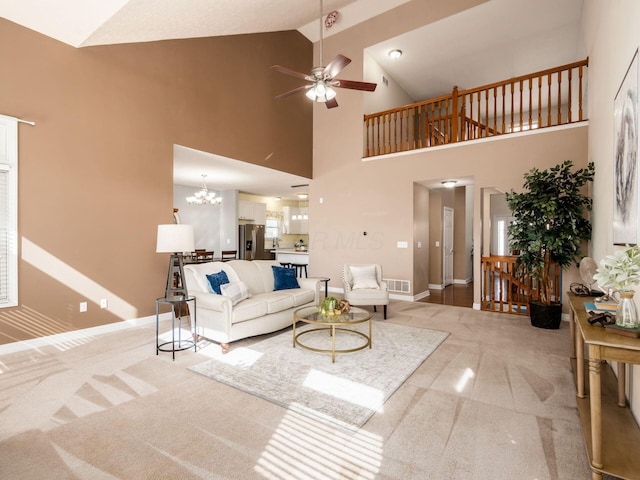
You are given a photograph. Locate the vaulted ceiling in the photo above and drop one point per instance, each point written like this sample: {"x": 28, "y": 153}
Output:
{"x": 496, "y": 40}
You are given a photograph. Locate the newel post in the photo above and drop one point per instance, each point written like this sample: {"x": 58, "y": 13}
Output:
{"x": 454, "y": 114}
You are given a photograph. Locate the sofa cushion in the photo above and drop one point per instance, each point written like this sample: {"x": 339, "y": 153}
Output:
{"x": 277, "y": 301}
{"x": 236, "y": 291}
{"x": 250, "y": 274}
{"x": 266, "y": 272}
{"x": 217, "y": 279}
{"x": 196, "y": 274}
{"x": 302, "y": 296}
{"x": 284, "y": 278}
{"x": 249, "y": 309}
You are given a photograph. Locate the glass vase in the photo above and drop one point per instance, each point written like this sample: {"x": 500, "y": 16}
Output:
{"x": 626, "y": 313}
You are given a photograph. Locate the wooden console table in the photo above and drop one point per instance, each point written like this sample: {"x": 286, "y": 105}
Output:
{"x": 604, "y": 414}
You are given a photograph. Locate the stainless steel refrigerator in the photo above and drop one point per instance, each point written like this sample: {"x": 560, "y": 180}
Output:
{"x": 252, "y": 245}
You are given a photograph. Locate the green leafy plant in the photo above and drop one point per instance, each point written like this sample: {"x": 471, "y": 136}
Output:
{"x": 550, "y": 222}
{"x": 620, "y": 271}
{"x": 329, "y": 306}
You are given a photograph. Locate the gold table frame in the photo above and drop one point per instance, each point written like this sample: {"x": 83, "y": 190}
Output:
{"x": 332, "y": 323}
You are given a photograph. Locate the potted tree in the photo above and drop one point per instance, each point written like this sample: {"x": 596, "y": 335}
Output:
{"x": 549, "y": 226}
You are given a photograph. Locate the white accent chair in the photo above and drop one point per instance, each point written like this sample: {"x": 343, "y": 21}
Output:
{"x": 363, "y": 285}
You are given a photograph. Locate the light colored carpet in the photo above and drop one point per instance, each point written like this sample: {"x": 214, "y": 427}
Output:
{"x": 347, "y": 392}
{"x": 495, "y": 401}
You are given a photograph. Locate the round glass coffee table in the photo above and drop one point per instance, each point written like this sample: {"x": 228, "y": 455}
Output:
{"x": 332, "y": 324}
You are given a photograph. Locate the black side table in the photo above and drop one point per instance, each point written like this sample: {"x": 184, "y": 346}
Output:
{"x": 178, "y": 345}
{"x": 326, "y": 284}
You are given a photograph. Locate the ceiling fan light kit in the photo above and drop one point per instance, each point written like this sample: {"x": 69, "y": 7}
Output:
{"x": 323, "y": 79}
{"x": 321, "y": 92}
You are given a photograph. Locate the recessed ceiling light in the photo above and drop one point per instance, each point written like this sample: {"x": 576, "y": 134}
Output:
{"x": 395, "y": 54}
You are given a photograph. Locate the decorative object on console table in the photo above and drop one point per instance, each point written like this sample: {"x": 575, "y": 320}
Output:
{"x": 549, "y": 228}
{"x": 625, "y": 161}
{"x": 620, "y": 272}
{"x": 175, "y": 239}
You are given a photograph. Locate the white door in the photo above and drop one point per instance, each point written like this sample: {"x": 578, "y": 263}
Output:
{"x": 447, "y": 246}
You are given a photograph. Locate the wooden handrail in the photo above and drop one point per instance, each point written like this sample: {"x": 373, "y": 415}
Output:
{"x": 541, "y": 99}
{"x": 541, "y": 73}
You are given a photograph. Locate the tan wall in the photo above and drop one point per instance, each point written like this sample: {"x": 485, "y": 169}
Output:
{"x": 96, "y": 171}
{"x": 612, "y": 37}
{"x": 434, "y": 247}
{"x": 421, "y": 230}
{"x": 377, "y": 196}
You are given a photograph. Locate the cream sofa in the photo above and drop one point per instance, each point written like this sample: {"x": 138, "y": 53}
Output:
{"x": 263, "y": 312}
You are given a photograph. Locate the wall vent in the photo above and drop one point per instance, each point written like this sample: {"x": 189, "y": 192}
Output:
{"x": 400, "y": 286}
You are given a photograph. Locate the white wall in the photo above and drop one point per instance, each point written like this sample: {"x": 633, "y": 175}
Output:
{"x": 611, "y": 36}
{"x": 384, "y": 97}
{"x": 204, "y": 218}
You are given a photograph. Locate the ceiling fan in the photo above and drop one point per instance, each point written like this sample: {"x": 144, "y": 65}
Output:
{"x": 323, "y": 79}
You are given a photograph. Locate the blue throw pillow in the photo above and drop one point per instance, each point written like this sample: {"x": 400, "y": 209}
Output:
{"x": 284, "y": 278}
{"x": 217, "y": 279}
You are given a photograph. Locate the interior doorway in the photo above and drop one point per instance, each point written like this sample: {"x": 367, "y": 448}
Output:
{"x": 447, "y": 261}
{"x": 457, "y": 295}
{"x": 447, "y": 246}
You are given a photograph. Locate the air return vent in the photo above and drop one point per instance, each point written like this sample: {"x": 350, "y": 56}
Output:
{"x": 400, "y": 286}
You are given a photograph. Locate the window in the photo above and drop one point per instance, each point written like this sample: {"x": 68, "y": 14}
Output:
{"x": 272, "y": 228}
{"x": 8, "y": 211}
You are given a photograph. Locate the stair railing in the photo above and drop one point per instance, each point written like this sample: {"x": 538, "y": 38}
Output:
{"x": 506, "y": 289}
{"x": 542, "y": 99}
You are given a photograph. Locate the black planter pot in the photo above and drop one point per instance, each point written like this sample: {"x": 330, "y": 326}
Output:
{"x": 545, "y": 316}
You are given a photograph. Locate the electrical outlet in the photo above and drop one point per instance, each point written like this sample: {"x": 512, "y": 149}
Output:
{"x": 103, "y": 303}
{"x": 83, "y": 306}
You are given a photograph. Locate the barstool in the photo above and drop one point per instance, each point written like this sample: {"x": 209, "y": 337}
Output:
{"x": 285, "y": 264}
{"x": 300, "y": 268}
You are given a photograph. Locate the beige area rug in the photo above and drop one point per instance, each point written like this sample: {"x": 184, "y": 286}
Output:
{"x": 347, "y": 392}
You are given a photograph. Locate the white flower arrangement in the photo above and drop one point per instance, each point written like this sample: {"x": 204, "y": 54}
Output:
{"x": 620, "y": 271}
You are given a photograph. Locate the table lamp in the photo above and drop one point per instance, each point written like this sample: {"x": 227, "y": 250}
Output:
{"x": 175, "y": 239}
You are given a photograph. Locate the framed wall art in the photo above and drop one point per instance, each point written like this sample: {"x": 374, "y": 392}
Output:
{"x": 625, "y": 161}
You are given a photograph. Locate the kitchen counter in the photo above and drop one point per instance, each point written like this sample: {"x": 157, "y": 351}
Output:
{"x": 286, "y": 255}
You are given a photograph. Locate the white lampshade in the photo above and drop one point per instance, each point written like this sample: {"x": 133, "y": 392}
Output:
{"x": 174, "y": 238}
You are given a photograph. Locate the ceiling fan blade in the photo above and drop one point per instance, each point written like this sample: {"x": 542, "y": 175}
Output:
{"x": 336, "y": 65}
{"x": 353, "y": 85}
{"x": 333, "y": 103}
{"x": 294, "y": 91}
{"x": 288, "y": 71}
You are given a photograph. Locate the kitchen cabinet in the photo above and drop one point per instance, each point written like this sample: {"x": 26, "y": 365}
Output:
{"x": 255, "y": 212}
{"x": 296, "y": 220}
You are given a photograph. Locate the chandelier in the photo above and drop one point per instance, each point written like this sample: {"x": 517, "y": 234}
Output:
{"x": 204, "y": 196}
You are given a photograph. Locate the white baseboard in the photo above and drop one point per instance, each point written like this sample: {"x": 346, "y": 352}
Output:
{"x": 463, "y": 281}
{"x": 476, "y": 306}
{"x": 77, "y": 336}
{"x": 436, "y": 286}
{"x": 404, "y": 298}
{"x": 422, "y": 295}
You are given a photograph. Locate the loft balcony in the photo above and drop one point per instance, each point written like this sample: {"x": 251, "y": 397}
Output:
{"x": 542, "y": 99}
